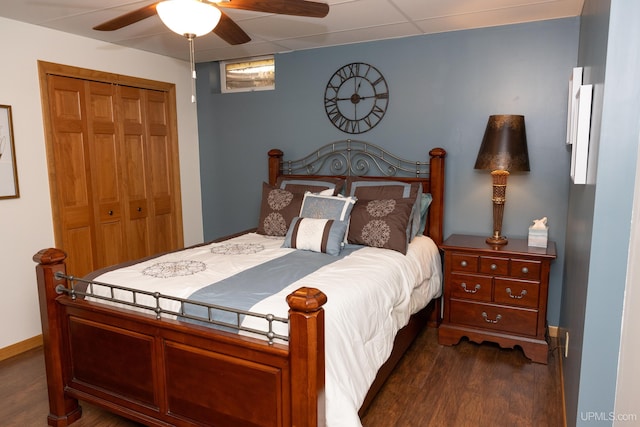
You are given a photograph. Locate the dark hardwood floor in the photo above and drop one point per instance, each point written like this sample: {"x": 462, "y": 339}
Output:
{"x": 469, "y": 385}
{"x": 464, "y": 385}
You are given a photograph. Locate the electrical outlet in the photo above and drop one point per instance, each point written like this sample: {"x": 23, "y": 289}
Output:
{"x": 566, "y": 344}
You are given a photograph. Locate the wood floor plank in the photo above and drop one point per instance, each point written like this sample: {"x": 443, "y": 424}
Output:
{"x": 463, "y": 385}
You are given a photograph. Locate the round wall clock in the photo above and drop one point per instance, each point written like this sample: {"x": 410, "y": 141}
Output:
{"x": 356, "y": 98}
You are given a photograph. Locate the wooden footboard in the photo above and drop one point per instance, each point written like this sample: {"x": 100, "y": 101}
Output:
{"x": 162, "y": 372}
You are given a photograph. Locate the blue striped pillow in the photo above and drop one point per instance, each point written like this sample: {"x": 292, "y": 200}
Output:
{"x": 316, "y": 234}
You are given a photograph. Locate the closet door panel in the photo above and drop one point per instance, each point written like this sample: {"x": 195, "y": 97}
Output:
{"x": 135, "y": 167}
{"x": 137, "y": 206}
{"x": 71, "y": 183}
{"x": 74, "y": 195}
{"x": 73, "y": 187}
{"x": 136, "y": 158}
{"x": 107, "y": 174}
{"x": 162, "y": 176}
{"x": 76, "y": 246}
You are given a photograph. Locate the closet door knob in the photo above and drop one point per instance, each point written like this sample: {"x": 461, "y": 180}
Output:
{"x": 110, "y": 213}
{"x": 139, "y": 209}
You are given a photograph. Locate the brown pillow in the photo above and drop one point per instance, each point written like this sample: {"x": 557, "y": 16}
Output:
{"x": 277, "y": 210}
{"x": 372, "y": 189}
{"x": 312, "y": 184}
{"x": 381, "y": 223}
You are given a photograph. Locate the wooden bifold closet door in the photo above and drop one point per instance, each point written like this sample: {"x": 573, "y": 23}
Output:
{"x": 113, "y": 169}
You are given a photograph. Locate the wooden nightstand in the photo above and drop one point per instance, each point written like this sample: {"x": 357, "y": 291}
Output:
{"x": 496, "y": 293}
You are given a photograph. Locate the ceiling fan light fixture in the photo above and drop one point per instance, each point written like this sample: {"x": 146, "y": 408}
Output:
{"x": 188, "y": 17}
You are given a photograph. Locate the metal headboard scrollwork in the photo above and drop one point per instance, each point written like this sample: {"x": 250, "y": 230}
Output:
{"x": 351, "y": 158}
{"x": 354, "y": 158}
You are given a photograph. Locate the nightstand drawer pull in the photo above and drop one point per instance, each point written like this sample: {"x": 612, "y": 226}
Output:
{"x": 493, "y": 266}
{"x": 522, "y": 294}
{"x": 486, "y": 319}
{"x": 475, "y": 289}
{"x": 463, "y": 263}
{"x": 525, "y": 270}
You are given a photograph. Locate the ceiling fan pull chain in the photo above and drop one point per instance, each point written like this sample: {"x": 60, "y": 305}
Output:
{"x": 192, "y": 60}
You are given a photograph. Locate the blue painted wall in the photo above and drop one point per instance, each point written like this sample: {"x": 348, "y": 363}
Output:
{"x": 599, "y": 221}
{"x": 443, "y": 87}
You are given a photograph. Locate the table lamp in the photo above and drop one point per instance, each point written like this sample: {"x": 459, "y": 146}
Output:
{"x": 503, "y": 150}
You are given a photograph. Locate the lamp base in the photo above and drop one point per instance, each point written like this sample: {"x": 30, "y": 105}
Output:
{"x": 497, "y": 240}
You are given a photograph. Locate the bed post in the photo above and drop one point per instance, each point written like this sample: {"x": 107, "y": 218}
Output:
{"x": 436, "y": 210}
{"x": 62, "y": 410}
{"x": 275, "y": 161}
{"x": 306, "y": 355}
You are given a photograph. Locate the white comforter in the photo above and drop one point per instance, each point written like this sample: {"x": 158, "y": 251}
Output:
{"x": 371, "y": 294}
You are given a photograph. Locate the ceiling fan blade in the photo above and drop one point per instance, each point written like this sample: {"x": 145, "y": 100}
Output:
{"x": 283, "y": 7}
{"x": 230, "y": 32}
{"x": 128, "y": 18}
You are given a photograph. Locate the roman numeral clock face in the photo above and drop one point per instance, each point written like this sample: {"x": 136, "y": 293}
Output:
{"x": 356, "y": 98}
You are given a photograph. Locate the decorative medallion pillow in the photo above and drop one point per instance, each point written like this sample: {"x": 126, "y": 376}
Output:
{"x": 381, "y": 223}
{"x": 373, "y": 189}
{"x": 277, "y": 210}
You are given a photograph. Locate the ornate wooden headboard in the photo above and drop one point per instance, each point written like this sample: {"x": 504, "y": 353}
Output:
{"x": 352, "y": 158}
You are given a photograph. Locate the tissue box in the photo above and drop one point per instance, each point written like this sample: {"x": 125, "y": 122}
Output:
{"x": 538, "y": 237}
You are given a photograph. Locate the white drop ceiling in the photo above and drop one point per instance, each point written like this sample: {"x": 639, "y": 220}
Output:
{"x": 348, "y": 21}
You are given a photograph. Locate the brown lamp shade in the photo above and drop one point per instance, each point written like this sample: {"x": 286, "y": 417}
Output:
{"x": 504, "y": 146}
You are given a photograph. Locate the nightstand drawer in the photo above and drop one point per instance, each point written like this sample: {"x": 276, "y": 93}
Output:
{"x": 494, "y": 265}
{"x": 471, "y": 286}
{"x": 494, "y": 317}
{"x": 526, "y": 269}
{"x": 464, "y": 262}
{"x": 516, "y": 292}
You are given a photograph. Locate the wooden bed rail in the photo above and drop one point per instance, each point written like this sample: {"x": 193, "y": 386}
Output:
{"x": 285, "y": 383}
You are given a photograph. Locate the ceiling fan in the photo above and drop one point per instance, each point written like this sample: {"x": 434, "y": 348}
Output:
{"x": 226, "y": 28}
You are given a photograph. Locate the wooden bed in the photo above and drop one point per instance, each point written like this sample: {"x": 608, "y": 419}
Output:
{"x": 160, "y": 371}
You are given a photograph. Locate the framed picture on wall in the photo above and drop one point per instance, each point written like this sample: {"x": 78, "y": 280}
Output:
{"x": 8, "y": 172}
{"x": 580, "y": 149}
{"x": 575, "y": 81}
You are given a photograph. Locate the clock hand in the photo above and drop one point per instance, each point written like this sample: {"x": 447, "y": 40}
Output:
{"x": 356, "y": 96}
{"x": 378, "y": 96}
